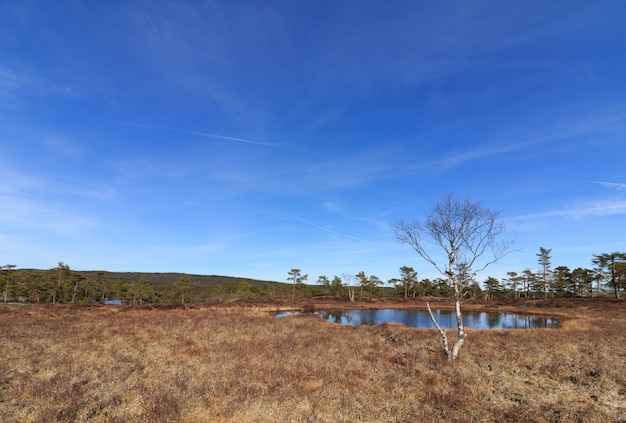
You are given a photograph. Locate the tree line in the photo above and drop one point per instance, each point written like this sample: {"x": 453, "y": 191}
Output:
{"x": 607, "y": 276}
{"x": 64, "y": 285}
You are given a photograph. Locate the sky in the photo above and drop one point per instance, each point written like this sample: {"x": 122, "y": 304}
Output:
{"x": 246, "y": 138}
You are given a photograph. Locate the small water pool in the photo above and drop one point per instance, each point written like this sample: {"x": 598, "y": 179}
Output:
{"x": 446, "y": 318}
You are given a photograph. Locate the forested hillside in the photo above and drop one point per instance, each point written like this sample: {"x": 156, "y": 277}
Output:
{"x": 61, "y": 284}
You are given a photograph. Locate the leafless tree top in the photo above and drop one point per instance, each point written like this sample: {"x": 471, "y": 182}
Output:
{"x": 467, "y": 232}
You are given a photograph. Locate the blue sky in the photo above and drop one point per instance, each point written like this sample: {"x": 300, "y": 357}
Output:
{"x": 246, "y": 138}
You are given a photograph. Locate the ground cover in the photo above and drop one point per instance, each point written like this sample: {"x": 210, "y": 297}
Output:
{"x": 236, "y": 362}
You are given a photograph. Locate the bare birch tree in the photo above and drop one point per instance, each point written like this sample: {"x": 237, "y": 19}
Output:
{"x": 348, "y": 283}
{"x": 468, "y": 234}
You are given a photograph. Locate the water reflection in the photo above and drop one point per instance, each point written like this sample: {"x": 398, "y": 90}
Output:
{"x": 445, "y": 318}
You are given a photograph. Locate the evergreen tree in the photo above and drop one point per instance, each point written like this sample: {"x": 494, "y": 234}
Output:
{"x": 528, "y": 280}
{"x": 492, "y": 288}
{"x": 408, "y": 276}
{"x": 474, "y": 291}
{"x": 562, "y": 280}
{"x": 543, "y": 257}
{"x": 395, "y": 283}
{"x": 425, "y": 287}
{"x": 512, "y": 282}
{"x": 297, "y": 278}
{"x": 325, "y": 283}
{"x": 613, "y": 264}
{"x": 336, "y": 286}
{"x": 582, "y": 280}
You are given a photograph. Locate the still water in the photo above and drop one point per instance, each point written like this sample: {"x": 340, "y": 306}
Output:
{"x": 445, "y": 318}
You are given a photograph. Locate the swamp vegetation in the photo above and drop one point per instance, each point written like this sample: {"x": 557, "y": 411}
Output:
{"x": 236, "y": 362}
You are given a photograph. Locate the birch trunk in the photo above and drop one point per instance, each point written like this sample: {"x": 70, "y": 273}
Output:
{"x": 460, "y": 329}
{"x": 444, "y": 337}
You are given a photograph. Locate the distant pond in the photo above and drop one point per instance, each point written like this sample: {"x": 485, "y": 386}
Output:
{"x": 446, "y": 318}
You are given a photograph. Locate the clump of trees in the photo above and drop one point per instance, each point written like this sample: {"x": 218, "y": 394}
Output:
{"x": 609, "y": 274}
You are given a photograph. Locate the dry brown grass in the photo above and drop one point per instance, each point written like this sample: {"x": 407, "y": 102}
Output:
{"x": 240, "y": 364}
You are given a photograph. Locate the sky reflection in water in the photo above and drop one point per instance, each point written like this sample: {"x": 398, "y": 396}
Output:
{"x": 445, "y": 318}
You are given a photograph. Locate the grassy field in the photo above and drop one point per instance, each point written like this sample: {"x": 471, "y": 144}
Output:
{"x": 237, "y": 363}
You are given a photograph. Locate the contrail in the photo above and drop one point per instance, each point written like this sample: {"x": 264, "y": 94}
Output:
{"x": 306, "y": 222}
{"x": 200, "y": 134}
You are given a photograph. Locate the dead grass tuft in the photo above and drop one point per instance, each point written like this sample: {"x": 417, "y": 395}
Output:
{"x": 238, "y": 363}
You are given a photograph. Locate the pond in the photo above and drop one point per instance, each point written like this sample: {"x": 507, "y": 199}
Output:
{"x": 446, "y": 318}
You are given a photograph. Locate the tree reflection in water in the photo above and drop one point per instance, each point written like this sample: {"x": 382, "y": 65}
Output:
{"x": 446, "y": 318}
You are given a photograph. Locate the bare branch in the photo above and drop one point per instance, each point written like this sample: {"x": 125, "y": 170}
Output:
{"x": 410, "y": 233}
{"x": 468, "y": 234}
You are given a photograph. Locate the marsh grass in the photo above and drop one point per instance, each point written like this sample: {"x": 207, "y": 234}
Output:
{"x": 240, "y": 364}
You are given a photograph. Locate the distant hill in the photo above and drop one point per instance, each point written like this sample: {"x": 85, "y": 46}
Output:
{"x": 201, "y": 287}
{"x": 66, "y": 285}
{"x": 157, "y": 279}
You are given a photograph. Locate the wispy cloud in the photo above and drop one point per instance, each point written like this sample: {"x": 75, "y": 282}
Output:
{"x": 596, "y": 208}
{"x": 43, "y": 202}
{"x": 200, "y": 134}
{"x": 21, "y": 83}
{"x": 482, "y": 152}
{"x": 560, "y": 128}
{"x": 333, "y": 207}
{"x": 10, "y": 80}
{"x": 26, "y": 214}
{"x": 63, "y": 147}
{"x": 13, "y": 182}
{"x": 32, "y": 184}
{"x": 13, "y": 82}
{"x": 612, "y": 185}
